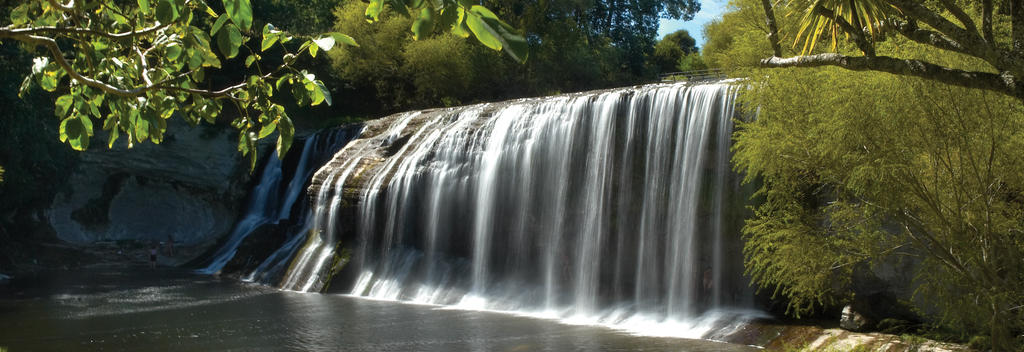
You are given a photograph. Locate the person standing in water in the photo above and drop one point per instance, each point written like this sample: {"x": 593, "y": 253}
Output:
{"x": 152, "y": 256}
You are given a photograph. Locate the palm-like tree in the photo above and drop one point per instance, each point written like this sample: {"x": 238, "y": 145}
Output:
{"x": 839, "y": 18}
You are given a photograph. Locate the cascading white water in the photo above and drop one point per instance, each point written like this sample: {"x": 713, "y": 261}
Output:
{"x": 602, "y": 208}
{"x": 269, "y": 203}
{"x": 262, "y": 209}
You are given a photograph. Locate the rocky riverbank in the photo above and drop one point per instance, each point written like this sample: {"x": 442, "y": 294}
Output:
{"x": 790, "y": 337}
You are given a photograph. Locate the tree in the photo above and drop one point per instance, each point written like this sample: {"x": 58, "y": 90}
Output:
{"x": 856, "y": 178}
{"x": 947, "y": 25}
{"x": 862, "y": 169}
{"x": 133, "y": 67}
{"x": 673, "y": 47}
{"x": 691, "y": 62}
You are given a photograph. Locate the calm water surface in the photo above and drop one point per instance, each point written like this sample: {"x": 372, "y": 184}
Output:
{"x": 140, "y": 309}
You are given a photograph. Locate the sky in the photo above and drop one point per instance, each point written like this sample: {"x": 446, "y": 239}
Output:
{"x": 710, "y": 9}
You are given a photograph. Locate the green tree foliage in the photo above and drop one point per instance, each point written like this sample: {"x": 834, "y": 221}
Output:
{"x": 861, "y": 169}
{"x": 439, "y": 69}
{"x": 990, "y": 31}
{"x": 570, "y": 48}
{"x": 691, "y": 62}
{"x": 633, "y": 25}
{"x": 130, "y": 66}
{"x": 630, "y": 27}
{"x": 308, "y": 17}
{"x": 673, "y": 47}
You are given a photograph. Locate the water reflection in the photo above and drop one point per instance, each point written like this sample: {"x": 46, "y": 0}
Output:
{"x": 138, "y": 310}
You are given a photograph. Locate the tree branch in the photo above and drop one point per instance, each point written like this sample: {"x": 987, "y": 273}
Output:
{"x": 773, "y": 29}
{"x": 986, "y": 21}
{"x": 1017, "y": 31}
{"x": 972, "y": 42}
{"x": 924, "y": 36}
{"x": 1002, "y": 83}
{"x": 960, "y": 15}
{"x": 76, "y": 30}
{"x": 51, "y": 45}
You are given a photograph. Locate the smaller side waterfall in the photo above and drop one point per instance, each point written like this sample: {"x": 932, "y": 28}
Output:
{"x": 276, "y": 195}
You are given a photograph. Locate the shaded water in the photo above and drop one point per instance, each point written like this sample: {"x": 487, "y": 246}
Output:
{"x": 140, "y": 309}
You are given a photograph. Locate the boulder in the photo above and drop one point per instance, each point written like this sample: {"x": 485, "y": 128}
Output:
{"x": 853, "y": 320}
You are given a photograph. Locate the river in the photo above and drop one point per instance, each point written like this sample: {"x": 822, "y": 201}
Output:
{"x": 137, "y": 308}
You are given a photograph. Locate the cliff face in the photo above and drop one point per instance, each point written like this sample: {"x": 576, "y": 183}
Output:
{"x": 190, "y": 187}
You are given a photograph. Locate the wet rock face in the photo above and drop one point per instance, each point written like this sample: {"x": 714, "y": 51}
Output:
{"x": 190, "y": 188}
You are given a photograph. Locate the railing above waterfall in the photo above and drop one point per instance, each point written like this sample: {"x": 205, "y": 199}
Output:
{"x": 692, "y": 76}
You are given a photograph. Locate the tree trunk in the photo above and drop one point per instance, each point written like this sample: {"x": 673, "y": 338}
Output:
{"x": 773, "y": 29}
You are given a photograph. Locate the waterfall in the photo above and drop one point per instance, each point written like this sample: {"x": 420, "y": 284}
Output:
{"x": 608, "y": 207}
{"x": 272, "y": 201}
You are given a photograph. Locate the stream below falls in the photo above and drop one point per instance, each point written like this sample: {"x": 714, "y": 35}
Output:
{"x": 138, "y": 308}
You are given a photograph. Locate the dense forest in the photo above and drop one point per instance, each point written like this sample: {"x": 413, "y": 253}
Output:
{"x": 880, "y": 132}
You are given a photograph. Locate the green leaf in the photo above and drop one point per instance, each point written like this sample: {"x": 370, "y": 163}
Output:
{"x": 139, "y": 124}
{"x": 286, "y": 134}
{"x": 115, "y": 16}
{"x": 62, "y": 130}
{"x": 267, "y": 130}
{"x": 114, "y": 134}
{"x": 342, "y": 38}
{"x": 217, "y": 25}
{"x": 166, "y": 11}
{"x": 209, "y": 11}
{"x": 374, "y": 9}
{"x": 250, "y": 60}
{"x": 229, "y": 40}
{"x": 270, "y": 36}
{"x": 63, "y": 105}
{"x": 324, "y": 93}
{"x": 240, "y": 12}
{"x": 460, "y": 28}
{"x": 313, "y": 47}
{"x": 495, "y": 34}
{"x": 483, "y": 32}
{"x": 513, "y": 44}
{"x": 423, "y": 25}
{"x": 86, "y": 125}
{"x": 144, "y": 6}
{"x": 483, "y": 12}
{"x": 281, "y": 81}
{"x": 173, "y": 52}
{"x": 75, "y": 133}
{"x": 49, "y": 77}
{"x": 19, "y": 15}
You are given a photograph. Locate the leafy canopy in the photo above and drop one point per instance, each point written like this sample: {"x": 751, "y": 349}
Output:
{"x": 130, "y": 67}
